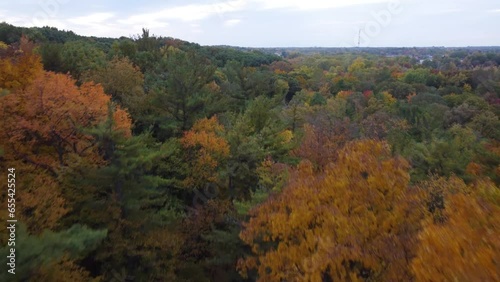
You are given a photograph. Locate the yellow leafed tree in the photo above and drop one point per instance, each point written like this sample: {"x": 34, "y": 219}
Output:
{"x": 354, "y": 221}
{"x": 205, "y": 149}
{"x": 465, "y": 244}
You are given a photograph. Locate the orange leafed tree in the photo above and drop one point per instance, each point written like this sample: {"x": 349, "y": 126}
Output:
{"x": 41, "y": 131}
{"x": 205, "y": 149}
{"x": 42, "y": 123}
{"x": 465, "y": 244}
{"x": 356, "y": 220}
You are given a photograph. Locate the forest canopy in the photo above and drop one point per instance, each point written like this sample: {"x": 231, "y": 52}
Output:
{"x": 155, "y": 159}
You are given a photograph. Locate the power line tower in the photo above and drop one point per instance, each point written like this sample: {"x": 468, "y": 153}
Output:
{"x": 359, "y": 38}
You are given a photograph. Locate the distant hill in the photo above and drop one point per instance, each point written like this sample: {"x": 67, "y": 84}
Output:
{"x": 10, "y": 33}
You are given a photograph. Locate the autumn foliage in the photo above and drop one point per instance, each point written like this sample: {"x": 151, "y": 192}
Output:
{"x": 18, "y": 65}
{"x": 205, "y": 148}
{"x": 464, "y": 245}
{"x": 42, "y": 122}
{"x": 347, "y": 223}
{"x": 154, "y": 159}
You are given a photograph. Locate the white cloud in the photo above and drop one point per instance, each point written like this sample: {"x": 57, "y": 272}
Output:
{"x": 313, "y": 4}
{"x": 187, "y": 13}
{"x": 444, "y": 12}
{"x": 232, "y": 22}
{"x": 27, "y": 21}
{"x": 91, "y": 19}
{"x": 196, "y": 28}
{"x": 494, "y": 11}
{"x": 102, "y": 24}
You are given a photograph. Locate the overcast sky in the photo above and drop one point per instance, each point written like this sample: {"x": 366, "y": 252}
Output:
{"x": 274, "y": 23}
